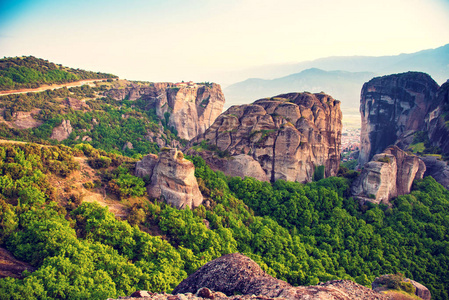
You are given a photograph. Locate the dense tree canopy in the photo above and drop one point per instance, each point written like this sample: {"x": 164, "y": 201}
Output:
{"x": 301, "y": 233}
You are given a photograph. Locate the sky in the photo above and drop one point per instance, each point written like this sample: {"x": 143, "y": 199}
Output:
{"x": 202, "y": 40}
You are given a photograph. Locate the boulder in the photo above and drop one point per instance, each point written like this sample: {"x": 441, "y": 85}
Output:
{"x": 396, "y": 281}
{"x": 172, "y": 178}
{"x": 237, "y": 274}
{"x": 288, "y": 136}
{"x": 420, "y": 290}
{"x": 388, "y": 175}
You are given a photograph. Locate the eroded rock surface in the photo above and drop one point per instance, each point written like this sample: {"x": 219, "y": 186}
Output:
{"x": 288, "y": 136}
{"x": 62, "y": 131}
{"x": 172, "y": 178}
{"x": 393, "y": 108}
{"x": 188, "y": 108}
{"x": 387, "y": 175}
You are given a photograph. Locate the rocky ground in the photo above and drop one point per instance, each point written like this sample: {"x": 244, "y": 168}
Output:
{"x": 235, "y": 276}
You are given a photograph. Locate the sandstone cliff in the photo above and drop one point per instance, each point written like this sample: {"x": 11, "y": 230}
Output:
{"x": 172, "y": 178}
{"x": 388, "y": 175}
{"x": 393, "y": 108}
{"x": 190, "y": 109}
{"x": 284, "y": 137}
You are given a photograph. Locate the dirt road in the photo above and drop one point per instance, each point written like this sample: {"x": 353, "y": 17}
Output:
{"x": 51, "y": 87}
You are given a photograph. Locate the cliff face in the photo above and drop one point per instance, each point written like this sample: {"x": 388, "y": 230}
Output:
{"x": 190, "y": 109}
{"x": 392, "y": 108}
{"x": 436, "y": 119}
{"x": 286, "y": 137}
{"x": 388, "y": 175}
{"x": 172, "y": 178}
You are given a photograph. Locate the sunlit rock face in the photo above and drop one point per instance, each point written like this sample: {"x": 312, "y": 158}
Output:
{"x": 393, "y": 108}
{"x": 388, "y": 175}
{"x": 172, "y": 178}
{"x": 284, "y": 137}
{"x": 188, "y": 108}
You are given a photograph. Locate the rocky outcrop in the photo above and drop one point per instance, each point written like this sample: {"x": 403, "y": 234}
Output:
{"x": 438, "y": 169}
{"x": 387, "y": 175}
{"x": 10, "y": 266}
{"x": 75, "y": 104}
{"x": 393, "y": 108}
{"x": 189, "y": 109}
{"x": 437, "y": 120}
{"x": 237, "y": 274}
{"x": 420, "y": 290}
{"x": 62, "y": 131}
{"x": 172, "y": 178}
{"x": 288, "y": 136}
{"x": 396, "y": 281}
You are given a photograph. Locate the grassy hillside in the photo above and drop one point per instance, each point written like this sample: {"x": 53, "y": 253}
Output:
{"x": 31, "y": 72}
{"x": 100, "y": 121}
{"x": 300, "y": 233}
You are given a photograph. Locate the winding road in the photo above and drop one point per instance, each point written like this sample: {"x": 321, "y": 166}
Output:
{"x": 51, "y": 87}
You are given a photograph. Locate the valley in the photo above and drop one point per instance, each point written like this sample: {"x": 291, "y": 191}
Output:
{"x": 119, "y": 186}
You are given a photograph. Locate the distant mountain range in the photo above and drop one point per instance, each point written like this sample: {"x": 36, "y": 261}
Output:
{"x": 341, "y": 77}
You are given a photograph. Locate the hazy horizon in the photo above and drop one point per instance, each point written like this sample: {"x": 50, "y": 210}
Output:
{"x": 207, "y": 40}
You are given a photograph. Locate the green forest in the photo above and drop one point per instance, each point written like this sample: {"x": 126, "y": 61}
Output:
{"x": 301, "y": 233}
{"x": 31, "y": 72}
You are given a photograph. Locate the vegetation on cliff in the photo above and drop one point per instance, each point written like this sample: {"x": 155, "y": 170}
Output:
{"x": 300, "y": 233}
{"x": 102, "y": 122}
{"x": 31, "y": 72}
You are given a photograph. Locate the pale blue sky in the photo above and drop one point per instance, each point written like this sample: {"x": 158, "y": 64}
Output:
{"x": 171, "y": 40}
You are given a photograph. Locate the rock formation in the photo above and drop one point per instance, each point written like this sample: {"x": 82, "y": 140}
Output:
{"x": 393, "y": 281}
{"x": 288, "y": 136}
{"x": 62, "y": 131}
{"x": 12, "y": 267}
{"x": 172, "y": 178}
{"x": 388, "y": 175}
{"x": 75, "y": 104}
{"x": 437, "y": 120}
{"x": 438, "y": 169}
{"x": 237, "y": 274}
{"x": 189, "y": 108}
{"x": 394, "y": 107}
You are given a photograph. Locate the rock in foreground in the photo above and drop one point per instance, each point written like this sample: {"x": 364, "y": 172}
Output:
{"x": 398, "y": 282}
{"x": 172, "y": 178}
{"x": 387, "y": 175}
{"x": 236, "y": 273}
{"x": 285, "y": 137}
